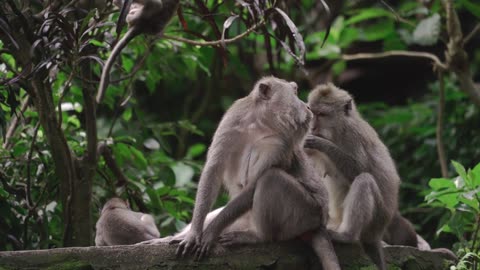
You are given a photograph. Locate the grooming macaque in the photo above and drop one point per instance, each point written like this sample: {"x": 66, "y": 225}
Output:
{"x": 144, "y": 17}
{"x": 361, "y": 176}
{"x": 257, "y": 152}
{"x": 118, "y": 225}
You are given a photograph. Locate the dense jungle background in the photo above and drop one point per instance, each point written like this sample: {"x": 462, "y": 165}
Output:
{"x": 412, "y": 66}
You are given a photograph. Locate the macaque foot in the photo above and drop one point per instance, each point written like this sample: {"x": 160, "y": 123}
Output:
{"x": 238, "y": 238}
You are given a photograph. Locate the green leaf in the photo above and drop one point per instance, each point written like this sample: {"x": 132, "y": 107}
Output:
{"x": 339, "y": 67}
{"x": 471, "y": 7}
{"x": 347, "y": 37}
{"x": 167, "y": 176}
{"x": 367, "y": 14}
{"x": 377, "y": 31}
{"x": 138, "y": 159}
{"x": 427, "y": 31}
{"x": 196, "y": 150}
{"x": 475, "y": 175}
{"x": 469, "y": 199}
{"x": 441, "y": 183}
{"x": 153, "y": 197}
{"x": 460, "y": 169}
{"x": 127, "y": 114}
{"x": 127, "y": 63}
{"x": 3, "y": 193}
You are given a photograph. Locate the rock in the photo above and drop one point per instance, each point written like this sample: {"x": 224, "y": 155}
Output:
{"x": 280, "y": 256}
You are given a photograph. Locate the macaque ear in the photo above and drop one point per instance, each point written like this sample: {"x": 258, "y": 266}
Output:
{"x": 348, "y": 107}
{"x": 264, "y": 91}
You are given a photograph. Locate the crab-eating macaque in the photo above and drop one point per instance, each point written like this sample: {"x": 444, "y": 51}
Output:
{"x": 362, "y": 179}
{"x": 144, "y": 17}
{"x": 119, "y": 225}
{"x": 400, "y": 231}
{"x": 257, "y": 152}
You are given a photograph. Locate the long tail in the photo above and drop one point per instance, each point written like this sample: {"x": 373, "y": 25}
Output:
{"x": 323, "y": 247}
{"x": 374, "y": 250}
{"x": 105, "y": 79}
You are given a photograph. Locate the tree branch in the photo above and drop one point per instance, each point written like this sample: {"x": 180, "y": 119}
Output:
{"x": 216, "y": 42}
{"x": 105, "y": 151}
{"x": 15, "y": 122}
{"x": 457, "y": 58}
{"x": 362, "y": 56}
{"x": 475, "y": 30}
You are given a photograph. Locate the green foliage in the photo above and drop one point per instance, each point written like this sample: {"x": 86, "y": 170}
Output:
{"x": 460, "y": 198}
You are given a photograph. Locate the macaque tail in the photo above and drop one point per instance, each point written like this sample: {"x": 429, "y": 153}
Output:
{"x": 105, "y": 79}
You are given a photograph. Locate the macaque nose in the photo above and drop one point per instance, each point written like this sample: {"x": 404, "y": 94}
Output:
{"x": 308, "y": 107}
{"x": 294, "y": 85}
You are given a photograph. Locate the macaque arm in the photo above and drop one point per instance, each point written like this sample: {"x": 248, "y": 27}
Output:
{"x": 232, "y": 211}
{"x": 344, "y": 162}
{"x": 208, "y": 188}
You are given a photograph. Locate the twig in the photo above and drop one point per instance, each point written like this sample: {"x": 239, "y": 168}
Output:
{"x": 29, "y": 160}
{"x": 66, "y": 87}
{"x": 362, "y": 56}
{"x": 475, "y": 30}
{"x": 216, "y": 42}
{"x": 28, "y": 196}
{"x": 14, "y": 123}
{"x": 397, "y": 16}
{"x": 442, "y": 158}
{"x": 105, "y": 151}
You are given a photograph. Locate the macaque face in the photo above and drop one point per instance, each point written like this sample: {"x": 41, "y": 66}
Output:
{"x": 281, "y": 103}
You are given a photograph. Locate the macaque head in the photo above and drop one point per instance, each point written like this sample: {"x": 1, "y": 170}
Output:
{"x": 279, "y": 107}
{"x": 331, "y": 107}
{"x": 115, "y": 203}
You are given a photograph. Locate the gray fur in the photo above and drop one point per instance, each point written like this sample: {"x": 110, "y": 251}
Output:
{"x": 257, "y": 153}
{"x": 118, "y": 225}
{"x": 144, "y": 17}
{"x": 360, "y": 172}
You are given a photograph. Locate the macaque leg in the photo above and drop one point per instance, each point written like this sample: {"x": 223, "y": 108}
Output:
{"x": 282, "y": 209}
{"x": 362, "y": 205}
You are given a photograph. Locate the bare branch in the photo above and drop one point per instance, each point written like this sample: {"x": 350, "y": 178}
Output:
{"x": 15, "y": 122}
{"x": 442, "y": 157}
{"x": 28, "y": 188}
{"x": 362, "y": 56}
{"x": 457, "y": 58}
{"x": 475, "y": 30}
{"x": 66, "y": 87}
{"x": 216, "y": 42}
{"x": 105, "y": 151}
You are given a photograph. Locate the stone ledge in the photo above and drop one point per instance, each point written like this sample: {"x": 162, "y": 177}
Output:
{"x": 283, "y": 256}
